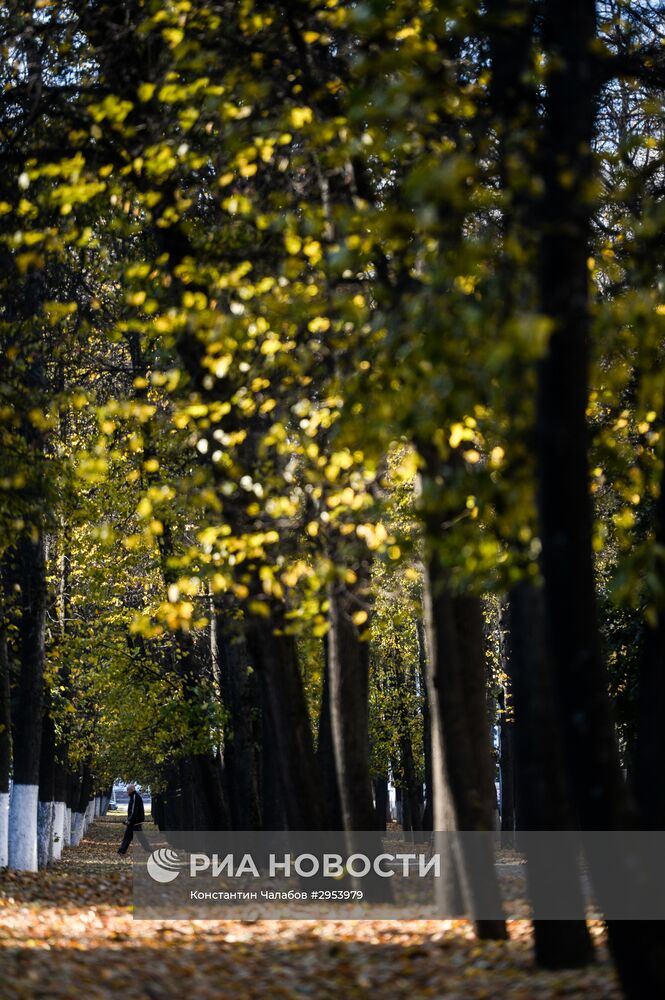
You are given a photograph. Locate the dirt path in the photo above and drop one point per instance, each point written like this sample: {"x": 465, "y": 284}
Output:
{"x": 69, "y": 933}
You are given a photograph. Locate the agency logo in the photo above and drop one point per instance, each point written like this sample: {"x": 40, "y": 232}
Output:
{"x": 164, "y": 865}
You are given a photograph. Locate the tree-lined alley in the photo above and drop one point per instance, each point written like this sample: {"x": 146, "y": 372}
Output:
{"x": 330, "y": 413}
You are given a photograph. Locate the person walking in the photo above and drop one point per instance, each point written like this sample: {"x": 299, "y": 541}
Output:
{"x": 134, "y": 821}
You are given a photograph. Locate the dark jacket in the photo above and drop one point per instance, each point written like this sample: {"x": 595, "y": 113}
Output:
{"x": 135, "y": 810}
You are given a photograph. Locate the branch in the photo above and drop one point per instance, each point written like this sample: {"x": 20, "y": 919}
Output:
{"x": 646, "y": 64}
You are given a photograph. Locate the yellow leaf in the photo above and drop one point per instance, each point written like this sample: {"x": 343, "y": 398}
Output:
{"x": 144, "y": 508}
{"x": 173, "y": 36}
{"x": 145, "y": 91}
{"x": 300, "y": 117}
{"x": 259, "y": 608}
{"x": 292, "y": 243}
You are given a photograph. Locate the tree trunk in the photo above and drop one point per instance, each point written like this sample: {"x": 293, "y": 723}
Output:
{"x": 272, "y": 800}
{"x": 74, "y": 793}
{"x": 5, "y": 748}
{"x": 275, "y": 658}
{"x": 30, "y": 575}
{"x": 410, "y": 787}
{"x": 207, "y": 775}
{"x": 46, "y": 799}
{"x": 79, "y": 815}
{"x": 61, "y": 819}
{"x": 157, "y": 810}
{"x": 199, "y": 784}
{"x": 201, "y": 777}
{"x": 59, "y": 806}
{"x": 543, "y": 800}
{"x": 649, "y": 758}
{"x": 349, "y": 703}
{"x": 428, "y": 812}
{"x": 325, "y": 752}
{"x": 564, "y": 503}
{"x": 506, "y": 767}
{"x": 69, "y": 786}
{"x": 461, "y": 759}
{"x": 381, "y": 801}
{"x": 238, "y": 688}
{"x": 171, "y": 800}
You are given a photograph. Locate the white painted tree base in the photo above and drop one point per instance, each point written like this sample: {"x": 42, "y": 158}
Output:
{"x": 58, "y": 829}
{"x": 67, "y": 834}
{"x": 45, "y": 812}
{"x": 77, "y": 829}
{"x": 88, "y": 815}
{"x": 23, "y": 828}
{"x": 4, "y": 829}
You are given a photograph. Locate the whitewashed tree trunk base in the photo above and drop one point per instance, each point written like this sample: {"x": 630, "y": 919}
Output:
{"x": 4, "y": 829}
{"x": 67, "y": 832}
{"x": 88, "y": 815}
{"x": 45, "y": 833}
{"x": 58, "y": 829}
{"x": 77, "y": 829}
{"x": 23, "y": 828}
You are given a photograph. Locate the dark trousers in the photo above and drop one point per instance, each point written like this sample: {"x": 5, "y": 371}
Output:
{"x": 129, "y": 836}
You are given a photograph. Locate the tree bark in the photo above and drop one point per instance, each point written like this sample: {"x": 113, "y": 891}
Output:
{"x": 46, "y": 798}
{"x": 59, "y": 805}
{"x": 461, "y": 760}
{"x": 411, "y": 799}
{"x": 543, "y": 802}
{"x": 564, "y": 504}
{"x": 270, "y": 779}
{"x": 207, "y": 776}
{"x": 79, "y": 815}
{"x": 238, "y": 688}
{"x": 5, "y": 747}
{"x": 649, "y": 759}
{"x": 275, "y": 658}
{"x": 349, "y": 703}
{"x": 30, "y": 575}
{"x": 428, "y": 812}
{"x": 325, "y": 751}
{"x": 171, "y": 800}
{"x": 157, "y": 810}
{"x": 381, "y": 801}
{"x": 506, "y": 768}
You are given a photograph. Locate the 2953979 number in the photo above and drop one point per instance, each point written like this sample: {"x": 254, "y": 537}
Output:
{"x": 330, "y": 894}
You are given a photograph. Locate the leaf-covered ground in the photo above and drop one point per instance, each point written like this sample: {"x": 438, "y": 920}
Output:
{"x": 69, "y": 932}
